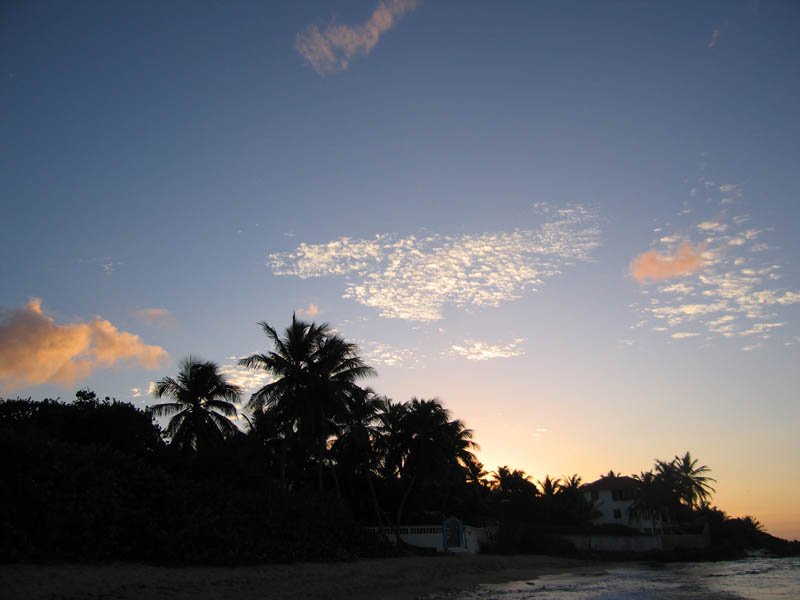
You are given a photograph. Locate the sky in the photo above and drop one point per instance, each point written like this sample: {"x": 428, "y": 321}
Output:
{"x": 575, "y": 223}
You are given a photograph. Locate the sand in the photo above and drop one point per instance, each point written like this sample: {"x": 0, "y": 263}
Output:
{"x": 385, "y": 578}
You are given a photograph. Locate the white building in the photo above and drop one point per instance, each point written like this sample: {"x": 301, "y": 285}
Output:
{"x": 613, "y": 498}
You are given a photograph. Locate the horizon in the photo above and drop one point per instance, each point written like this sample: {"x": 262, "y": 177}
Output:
{"x": 574, "y": 225}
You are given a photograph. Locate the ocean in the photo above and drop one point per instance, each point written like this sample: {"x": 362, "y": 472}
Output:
{"x": 752, "y": 578}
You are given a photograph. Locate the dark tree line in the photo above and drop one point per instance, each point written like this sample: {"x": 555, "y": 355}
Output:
{"x": 319, "y": 457}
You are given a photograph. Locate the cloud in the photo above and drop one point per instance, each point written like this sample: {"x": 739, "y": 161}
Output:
{"x": 378, "y": 354}
{"x": 477, "y": 350}
{"x": 714, "y": 38}
{"x": 249, "y": 380}
{"x": 157, "y": 316}
{"x": 654, "y": 266}
{"x": 35, "y": 350}
{"x": 712, "y": 226}
{"x": 735, "y": 293}
{"x": 682, "y": 334}
{"x": 311, "y": 311}
{"x": 330, "y": 50}
{"x": 413, "y": 278}
{"x": 676, "y": 288}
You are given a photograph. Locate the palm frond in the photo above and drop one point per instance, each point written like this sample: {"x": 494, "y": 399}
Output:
{"x": 167, "y": 409}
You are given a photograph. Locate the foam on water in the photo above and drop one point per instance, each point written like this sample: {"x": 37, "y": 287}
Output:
{"x": 753, "y": 578}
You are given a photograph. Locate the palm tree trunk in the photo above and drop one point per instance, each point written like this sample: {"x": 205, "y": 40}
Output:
{"x": 400, "y": 509}
{"x": 336, "y": 485}
{"x": 376, "y": 507}
{"x": 284, "y": 452}
{"x": 320, "y": 482}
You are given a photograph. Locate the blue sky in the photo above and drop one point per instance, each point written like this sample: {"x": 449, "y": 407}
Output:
{"x": 575, "y": 223}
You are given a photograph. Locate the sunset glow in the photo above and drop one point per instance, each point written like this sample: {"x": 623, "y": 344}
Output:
{"x": 574, "y": 224}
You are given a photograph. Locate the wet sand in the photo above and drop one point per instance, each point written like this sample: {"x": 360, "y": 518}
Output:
{"x": 384, "y": 578}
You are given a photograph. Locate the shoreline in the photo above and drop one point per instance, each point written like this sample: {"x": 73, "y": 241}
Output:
{"x": 402, "y": 578}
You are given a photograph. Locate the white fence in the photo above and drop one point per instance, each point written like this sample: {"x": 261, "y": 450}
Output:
{"x": 450, "y": 537}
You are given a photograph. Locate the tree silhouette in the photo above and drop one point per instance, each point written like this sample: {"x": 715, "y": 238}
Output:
{"x": 570, "y": 484}
{"x": 513, "y": 483}
{"x": 355, "y": 446}
{"x": 315, "y": 372}
{"x": 201, "y": 402}
{"x": 693, "y": 484}
{"x": 425, "y": 445}
{"x": 550, "y": 486}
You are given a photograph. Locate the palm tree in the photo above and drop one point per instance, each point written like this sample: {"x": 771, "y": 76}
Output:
{"x": 315, "y": 371}
{"x": 652, "y": 498}
{"x": 390, "y": 441}
{"x": 201, "y": 402}
{"x": 510, "y": 483}
{"x": 570, "y": 484}
{"x": 693, "y": 484}
{"x": 428, "y": 445}
{"x": 611, "y": 475}
{"x": 550, "y": 486}
{"x": 354, "y": 447}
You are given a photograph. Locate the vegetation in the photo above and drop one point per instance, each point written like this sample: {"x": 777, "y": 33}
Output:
{"x": 319, "y": 458}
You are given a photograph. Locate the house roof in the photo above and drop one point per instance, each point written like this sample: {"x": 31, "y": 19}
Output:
{"x": 610, "y": 483}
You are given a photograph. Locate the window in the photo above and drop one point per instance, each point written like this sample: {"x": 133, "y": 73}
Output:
{"x": 623, "y": 494}
{"x": 617, "y": 513}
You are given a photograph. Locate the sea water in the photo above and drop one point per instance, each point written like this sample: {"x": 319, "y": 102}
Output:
{"x": 752, "y": 578}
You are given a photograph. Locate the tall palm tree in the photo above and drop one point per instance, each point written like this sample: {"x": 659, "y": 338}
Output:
{"x": 314, "y": 373}
{"x": 201, "y": 402}
{"x": 428, "y": 445}
{"x": 354, "y": 447}
{"x": 653, "y": 497}
{"x": 693, "y": 485}
{"x": 390, "y": 441}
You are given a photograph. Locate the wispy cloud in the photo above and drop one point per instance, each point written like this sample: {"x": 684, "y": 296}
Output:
{"x": 414, "y": 278}
{"x": 653, "y": 266}
{"x": 331, "y": 49}
{"x": 157, "y": 316}
{"x": 249, "y": 380}
{"x": 35, "y": 350}
{"x": 107, "y": 264}
{"x": 379, "y": 354}
{"x": 477, "y": 350}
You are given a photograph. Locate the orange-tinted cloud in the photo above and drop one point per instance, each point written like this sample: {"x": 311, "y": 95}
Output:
{"x": 159, "y": 316}
{"x": 654, "y": 266}
{"x": 330, "y": 50}
{"x": 35, "y": 350}
{"x": 311, "y": 311}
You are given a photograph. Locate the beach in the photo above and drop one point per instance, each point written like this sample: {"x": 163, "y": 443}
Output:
{"x": 384, "y": 578}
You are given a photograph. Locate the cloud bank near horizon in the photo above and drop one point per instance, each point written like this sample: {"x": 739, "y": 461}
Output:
{"x": 414, "y": 278}
{"x": 35, "y": 350}
{"x": 330, "y": 50}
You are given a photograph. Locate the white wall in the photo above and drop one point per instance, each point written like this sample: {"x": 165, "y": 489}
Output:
{"x": 430, "y": 536}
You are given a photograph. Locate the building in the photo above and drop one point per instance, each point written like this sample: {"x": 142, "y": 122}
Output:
{"x": 613, "y": 498}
